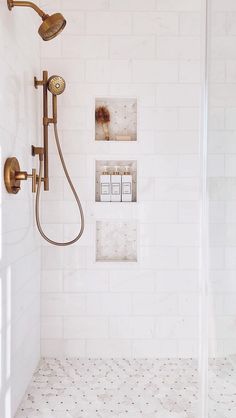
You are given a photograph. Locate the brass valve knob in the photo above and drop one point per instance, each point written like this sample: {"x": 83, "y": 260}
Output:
{"x": 13, "y": 176}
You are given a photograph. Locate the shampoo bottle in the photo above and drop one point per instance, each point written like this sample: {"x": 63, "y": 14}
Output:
{"x": 127, "y": 186}
{"x": 105, "y": 186}
{"x": 116, "y": 186}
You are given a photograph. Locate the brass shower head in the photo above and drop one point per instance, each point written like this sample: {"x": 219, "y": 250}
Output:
{"x": 51, "y": 26}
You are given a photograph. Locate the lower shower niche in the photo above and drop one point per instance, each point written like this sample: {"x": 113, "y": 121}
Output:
{"x": 116, "y": 241}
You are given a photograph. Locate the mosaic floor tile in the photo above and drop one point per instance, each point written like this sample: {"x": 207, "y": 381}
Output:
{"x": 148, "y": 388}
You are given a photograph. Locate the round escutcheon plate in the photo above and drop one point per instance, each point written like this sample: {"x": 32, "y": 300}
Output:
{"x": 11, "y": 167}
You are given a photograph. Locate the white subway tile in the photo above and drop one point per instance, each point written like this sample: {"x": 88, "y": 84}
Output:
{"x": 177, "y": 281}
{"x": 75, "y": 22}
{"x": 189, "y": 166}
{"x": 177, "y": 327}
{"x": 154, "y": 348}
{"x": 132, "y": 5}
{"x": 84, "y": 281}
{"x": 177, "y": 189}
{"x": 128, "y": 281}
{"x": 156, "y": 23}
{"x": 159, "y": 212}
{"x": 51, "y": 327}
{"x": 118, "y": 71}
{"x": 52, "y": 348}
{"x": 217, "y": 258}
{"x": 178, "y": 48}
{"x": 216, "y": 165}
{"x": 86, "y": 5}
{"x": 75, "y": 348}
{"x": 85, "y": 327}
{"x": 153, "y": 71}
{"x": 108, "y": 23}
{"x": 158, "y": 166}
{"x": 180, "y": 5}
{"x": 159, "y": 258}
{"x": 190, "y": 71}
{"x": 178, "y": 95}
{"x": 107, "y": 304}
{"x": 152, "y": 304}
{"x": 230, "y": 71}
{"x": 135, "y": 47}
{"x": 109, "y": 348}
{"x": 189, "y": 118}
{"x": 51, "y": 281}
{"x": 189, "y": 212}
{"x": 230, "y": 118}
{"x": 190, "y": 24}
{"x": 132, "y": 327}
{"x": 177, "y": 142}
{"x": 189, "y": 304}
{"x": 189, "y": 258}
{"x": 84, "y": 47}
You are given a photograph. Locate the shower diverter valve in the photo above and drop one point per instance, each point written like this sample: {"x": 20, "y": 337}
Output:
{"x": 13, "y": 176}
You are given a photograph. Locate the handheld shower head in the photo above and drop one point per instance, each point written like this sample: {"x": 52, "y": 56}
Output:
{"x": 52, "y": 26}
{"x": 56, "y": 85}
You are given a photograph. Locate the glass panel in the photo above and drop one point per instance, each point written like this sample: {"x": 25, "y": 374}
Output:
{"x": 222, "y": 208}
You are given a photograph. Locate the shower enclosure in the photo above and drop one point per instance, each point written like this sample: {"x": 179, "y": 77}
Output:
{"x": 139, "y": 317}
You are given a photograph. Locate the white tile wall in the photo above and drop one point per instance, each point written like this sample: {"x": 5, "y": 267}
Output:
{"x": 19, "y": 247}
{"x": 222, "y": 192}
{"x": 149, "y": 50}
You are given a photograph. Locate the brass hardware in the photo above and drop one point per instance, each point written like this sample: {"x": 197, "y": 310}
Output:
{"x": 34, "y": 180}
{"x": 13, "y": 176}
{"x": 51, "y": 26}
{"x": 11, "y": 167}
{"x": 37, "y": 151}
{"x": 56, "y": 85}
{"x": 37, "y": 82}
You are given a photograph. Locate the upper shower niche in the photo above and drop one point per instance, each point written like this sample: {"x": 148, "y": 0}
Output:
{"x": 116, "y": 119}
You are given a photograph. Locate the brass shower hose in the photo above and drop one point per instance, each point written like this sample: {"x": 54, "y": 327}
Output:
{"x": 37, "y": 203}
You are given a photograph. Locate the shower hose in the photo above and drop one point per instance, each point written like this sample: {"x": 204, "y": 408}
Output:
{"x": 37, "y": 203}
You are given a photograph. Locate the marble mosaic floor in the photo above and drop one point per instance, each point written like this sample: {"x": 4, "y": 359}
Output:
{"x": 99, "y": 388}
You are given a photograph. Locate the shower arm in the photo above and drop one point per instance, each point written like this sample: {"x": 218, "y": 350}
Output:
{"x": 13, "y": 3}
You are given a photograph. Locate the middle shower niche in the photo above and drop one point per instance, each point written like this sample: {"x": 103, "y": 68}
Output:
{"x": 116, "y": 181}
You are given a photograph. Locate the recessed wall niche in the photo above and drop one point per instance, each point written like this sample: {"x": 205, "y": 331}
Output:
{"x": 116, "y": 241}
{"x": 116, "y": 166}
{"x": 116, "y": 119}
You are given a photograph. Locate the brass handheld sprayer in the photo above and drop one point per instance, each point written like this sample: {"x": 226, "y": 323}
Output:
{"x": 12, "y": 173}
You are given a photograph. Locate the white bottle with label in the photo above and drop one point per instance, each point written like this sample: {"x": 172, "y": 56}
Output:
{"x": 105, "y": 186}
{"x": 116, "y": 186}
{"x": 127, "y": 186}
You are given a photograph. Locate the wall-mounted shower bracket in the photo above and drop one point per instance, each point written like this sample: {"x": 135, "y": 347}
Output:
{"x": 13, "y": 176}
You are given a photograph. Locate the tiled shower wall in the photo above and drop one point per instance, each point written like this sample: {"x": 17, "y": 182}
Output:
{"x": 222, "y": 176}
{"x": 19, "y": 247}
{"x": 149, "y": 50}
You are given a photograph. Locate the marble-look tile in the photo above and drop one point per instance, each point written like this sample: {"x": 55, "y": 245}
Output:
{"x": 89, "y": 388}
{"x": 146, "y": 388}
{"x": 116, "y": 241}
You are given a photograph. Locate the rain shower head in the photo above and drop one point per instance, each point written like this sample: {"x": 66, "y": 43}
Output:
{"x": 51, "y": 26}
{"x": 56, "y": 85}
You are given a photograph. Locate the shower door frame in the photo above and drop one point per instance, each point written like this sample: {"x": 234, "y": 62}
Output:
{"x": 204, "y": 217}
